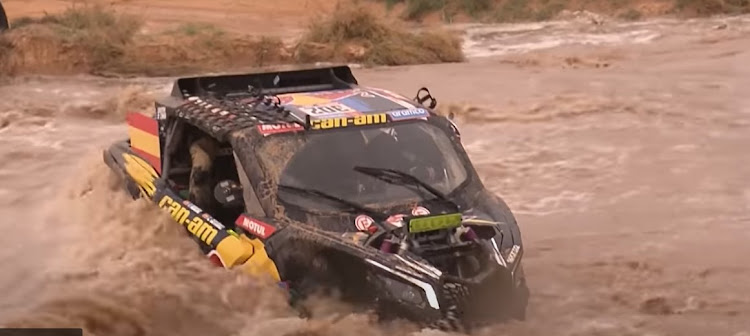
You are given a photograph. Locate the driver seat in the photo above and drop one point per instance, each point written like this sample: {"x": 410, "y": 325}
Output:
{"x": 210, "y": 164}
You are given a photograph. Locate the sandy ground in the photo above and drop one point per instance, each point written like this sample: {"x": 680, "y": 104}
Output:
{"x": 254, "y": 17}
{"x": 625, "y": 160}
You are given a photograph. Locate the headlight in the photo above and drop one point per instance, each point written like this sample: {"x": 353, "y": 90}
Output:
{"x": 404, "y": 290}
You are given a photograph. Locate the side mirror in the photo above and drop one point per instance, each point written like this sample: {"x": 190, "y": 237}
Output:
{"x": 229, "y": 193}
{"x": 427, "y": 96}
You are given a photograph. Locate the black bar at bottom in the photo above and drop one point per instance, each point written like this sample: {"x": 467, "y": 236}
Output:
{"x": 41, "y": 332}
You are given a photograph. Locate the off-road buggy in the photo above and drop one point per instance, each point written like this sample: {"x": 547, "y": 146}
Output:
{"x": 324, "y": 184}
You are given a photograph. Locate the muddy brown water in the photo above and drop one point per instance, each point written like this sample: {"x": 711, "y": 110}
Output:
{"x": 627, "y": 164}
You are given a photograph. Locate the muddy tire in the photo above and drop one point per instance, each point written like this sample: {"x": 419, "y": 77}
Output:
{"x": 3, "y": 19}
{"x": 520, "y": 300}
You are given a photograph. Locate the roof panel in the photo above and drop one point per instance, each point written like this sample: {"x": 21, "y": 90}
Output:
{"x": 347, "y": 102}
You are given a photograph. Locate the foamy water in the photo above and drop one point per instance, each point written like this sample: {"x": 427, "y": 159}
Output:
{"x": 630, "y": 194}
{"x": 503, "y": 39}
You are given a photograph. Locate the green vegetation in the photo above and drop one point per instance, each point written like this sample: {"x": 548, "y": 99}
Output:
{"x": 416, "y": 9}
{"x": 712, "y": 7}
{"x": 522, "y": 10}
{"x": 194, "y": 29}
{"x": 102, "y": 32}
{"x": 631, "y": 15}
{"x": 99, "y": 40}
{"x": 354, "y": 33}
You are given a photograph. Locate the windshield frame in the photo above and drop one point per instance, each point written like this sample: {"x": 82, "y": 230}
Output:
{"x": 267, "y": 182}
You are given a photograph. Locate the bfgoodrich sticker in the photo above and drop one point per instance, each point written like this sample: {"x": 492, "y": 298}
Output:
{"x": 408, "y": 113}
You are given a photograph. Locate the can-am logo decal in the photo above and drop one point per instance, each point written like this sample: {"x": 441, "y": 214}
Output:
{"x": 267, "y": 129}
{"x": 255, "y": 226}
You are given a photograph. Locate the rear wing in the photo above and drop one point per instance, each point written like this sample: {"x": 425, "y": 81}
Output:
{"x": 271, "y": 83}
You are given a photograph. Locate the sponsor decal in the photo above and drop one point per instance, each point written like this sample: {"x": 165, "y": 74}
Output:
{"x": 192, "y": 207}
{"x": 363, "y": 222}
{"x": 513, "y": 254}
{"x": 408, "y": 114}
{"x": 195, "y": 225}
{"x": 331, "y": 108}
{"x": 433, "y": 223}
{"x": 268, "y": 129}
{"x": 254, "y": 226}
{"x": 360, "y": 120}
{"x": 420, "y": 211}
{"x": 213, "y": 221}
{"x": 161, "y": 113}
{"x": 396, "y": 220}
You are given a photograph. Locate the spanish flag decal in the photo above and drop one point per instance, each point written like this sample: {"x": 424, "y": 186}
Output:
{"x": 144, "y": 138}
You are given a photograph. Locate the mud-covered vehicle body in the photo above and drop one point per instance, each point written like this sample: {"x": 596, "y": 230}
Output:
{"x": 324, "y": 184}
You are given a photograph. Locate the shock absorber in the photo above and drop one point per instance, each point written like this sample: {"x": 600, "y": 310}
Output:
{"x": 387, "y": 245}
{"x": 403, "y": 245}
{"x": 465, "y": 233}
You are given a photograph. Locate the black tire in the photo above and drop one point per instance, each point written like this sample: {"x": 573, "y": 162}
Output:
{"x": 3, "y": 19}
{"x": 520, "y": 300}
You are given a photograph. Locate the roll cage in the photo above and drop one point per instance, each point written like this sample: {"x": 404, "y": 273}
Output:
{"x": 231, "y": 109}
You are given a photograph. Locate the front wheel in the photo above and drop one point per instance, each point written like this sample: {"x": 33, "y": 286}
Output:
{"x": 520, "y": 297}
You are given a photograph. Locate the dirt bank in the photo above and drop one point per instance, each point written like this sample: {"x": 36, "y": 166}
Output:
{"x": 287, "y": 18}
{"x": 105, "y": 40}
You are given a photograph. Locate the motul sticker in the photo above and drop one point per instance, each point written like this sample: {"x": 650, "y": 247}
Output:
{"x": 255, "y": 226}
{"x": 363, "y": 222}
{"x": 268, "y": 129}
{"x": 420, "y": 211}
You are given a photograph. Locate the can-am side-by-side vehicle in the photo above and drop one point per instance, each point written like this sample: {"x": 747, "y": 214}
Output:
{"x": 308, "y": 178}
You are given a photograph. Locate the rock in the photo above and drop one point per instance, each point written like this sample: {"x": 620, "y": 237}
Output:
{"x": 656, "y": 306}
